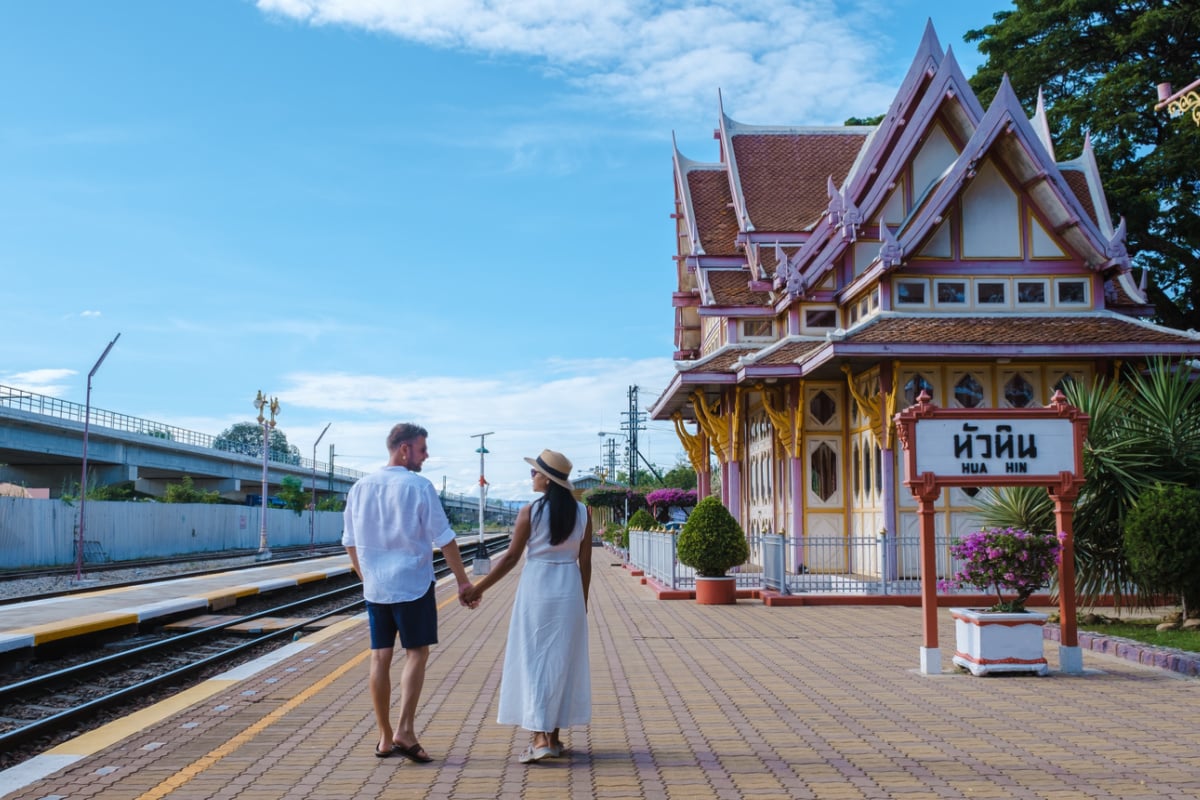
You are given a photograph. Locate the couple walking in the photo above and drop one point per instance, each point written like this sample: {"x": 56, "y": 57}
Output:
{"x": 394, "y": 519}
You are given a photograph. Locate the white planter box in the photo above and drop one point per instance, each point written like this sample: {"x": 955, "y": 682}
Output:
{"x": 990, "y": 642}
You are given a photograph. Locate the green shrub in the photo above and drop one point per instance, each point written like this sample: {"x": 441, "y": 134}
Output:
{"x": 1162, "y": 541}
{"x": 642, "y": 520}
{"x": 712, "y": 541}
{"x": 186, "y": 492}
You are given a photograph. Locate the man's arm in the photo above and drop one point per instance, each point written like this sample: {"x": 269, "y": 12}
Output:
{"x": 353, "y": 553}
{"x": 454, "y": 561}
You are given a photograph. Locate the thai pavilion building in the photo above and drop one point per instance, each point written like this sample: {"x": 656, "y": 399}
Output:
{"x": 828, "y": 275}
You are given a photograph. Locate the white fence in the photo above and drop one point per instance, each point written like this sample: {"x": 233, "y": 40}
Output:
{"x": 874, "y": 565}
{"x": 43, "y": 533}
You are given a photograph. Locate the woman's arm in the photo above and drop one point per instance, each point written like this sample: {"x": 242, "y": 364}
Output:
{"x": 508, "y": 559}
{"x": 585, "y": 559}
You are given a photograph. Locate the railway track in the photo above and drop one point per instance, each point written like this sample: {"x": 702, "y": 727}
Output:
{"x": 66, "y": 699}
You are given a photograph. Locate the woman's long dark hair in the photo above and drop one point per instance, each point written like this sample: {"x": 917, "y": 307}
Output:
{"x": 563, "y": 511}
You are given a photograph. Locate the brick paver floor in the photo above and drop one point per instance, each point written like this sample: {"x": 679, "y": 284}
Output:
{"x": 689, "y": 701}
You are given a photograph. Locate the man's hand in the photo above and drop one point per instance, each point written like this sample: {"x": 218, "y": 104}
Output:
{"x": 467, "y": 594}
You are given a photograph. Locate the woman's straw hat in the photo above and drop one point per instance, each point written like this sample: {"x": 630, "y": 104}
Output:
{"x": 554, "y": 466}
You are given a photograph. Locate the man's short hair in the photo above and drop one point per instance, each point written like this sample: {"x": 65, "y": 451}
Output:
{"x": 404, "y": 432}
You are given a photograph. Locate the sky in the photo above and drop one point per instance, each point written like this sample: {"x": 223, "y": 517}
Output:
{"x": 449, "y": 212}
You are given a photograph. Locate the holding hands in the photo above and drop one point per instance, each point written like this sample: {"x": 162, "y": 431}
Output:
{"x": 468, "y": 595}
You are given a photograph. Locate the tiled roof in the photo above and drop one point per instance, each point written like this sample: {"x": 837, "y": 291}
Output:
{"x": 730, "y": 287}
{"x": 1077, "y": 181}
{"x": 788, "y": 353}
{"x": 1015, "y": 330}
{"x": 784, "y": 176}
{"x": 712, "y": 204}
{"x": 723, "y": 361}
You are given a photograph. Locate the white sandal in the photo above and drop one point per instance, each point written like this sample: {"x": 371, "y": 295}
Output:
{"x": 532, "y": 754}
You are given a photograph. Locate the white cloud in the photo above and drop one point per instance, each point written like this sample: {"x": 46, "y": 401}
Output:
{"x": 40, "y": 381}
{"x": 803, "y": 61}
{"x": 560, "y": 405}
{"x": 86, "y": 314}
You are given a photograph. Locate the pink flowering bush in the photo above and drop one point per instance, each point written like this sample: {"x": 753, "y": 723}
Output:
{"x": 660, "y": 500}
{"x": 1007, "y": 559}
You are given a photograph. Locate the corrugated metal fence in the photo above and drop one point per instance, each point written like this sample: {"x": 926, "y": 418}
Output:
{"x": 42, "y": 533}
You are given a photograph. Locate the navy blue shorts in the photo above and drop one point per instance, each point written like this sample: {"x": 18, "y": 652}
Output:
{"x": 415, "y": 621}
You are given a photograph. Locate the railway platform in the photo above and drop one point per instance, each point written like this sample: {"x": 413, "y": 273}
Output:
{"x": 689, "y": 701}
{"x": 31, "y": 624}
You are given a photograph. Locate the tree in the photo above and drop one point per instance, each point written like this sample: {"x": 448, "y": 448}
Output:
{"x": 291, "y": 492}
{"x": 1098, "y": 63}
{"x": 247, "y": 438}
{"x": 680, "y": 476}
{"x": 186, "y": 492}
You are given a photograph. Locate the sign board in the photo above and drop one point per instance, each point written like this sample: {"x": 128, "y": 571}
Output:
{"x": 995, "y": 447}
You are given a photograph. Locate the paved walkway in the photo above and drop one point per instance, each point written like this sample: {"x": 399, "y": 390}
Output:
{"x": 743, "y": 701}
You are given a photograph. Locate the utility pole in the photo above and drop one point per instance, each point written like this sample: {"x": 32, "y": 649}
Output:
{"x": 635, "y": 421}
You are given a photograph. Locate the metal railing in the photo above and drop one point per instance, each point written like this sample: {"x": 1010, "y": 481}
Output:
{"x": 97, "y": 417}
{"x": 863, "y": 565}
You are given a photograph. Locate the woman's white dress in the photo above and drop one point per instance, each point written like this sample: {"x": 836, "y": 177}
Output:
{"x": 546, "y": 683}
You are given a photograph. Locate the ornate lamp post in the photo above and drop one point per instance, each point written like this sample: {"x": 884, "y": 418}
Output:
{"x": 268, "y": 425}
{"x": 312, "y": 518}
{"x": 1177, "y": 103}
{"x": 87, "y": 417}
{"x": 482, "y": 563}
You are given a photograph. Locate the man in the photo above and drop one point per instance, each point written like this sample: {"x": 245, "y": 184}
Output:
{"x": 393, "y": 521}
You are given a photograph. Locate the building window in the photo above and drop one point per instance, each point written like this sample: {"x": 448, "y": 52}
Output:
{"x": 878, "y": 471}
{"x": 758, "y": 328}
{"x": 911, "y": 293}
{"x": 991, "y": 292}
{"x": 968, "y": 392}
{"x": 951, "y": 293}
{"x": 1018, "y": 392}
{"x": 917, "y": 384}
{"x": 1071, "y": 293}
{"x": 822, "y": 407}
{"x": 1032, "y": 293}
{"x": 824, "y": 471}
{"x": 820, "y": 318}
{"x": 856, "y": 470}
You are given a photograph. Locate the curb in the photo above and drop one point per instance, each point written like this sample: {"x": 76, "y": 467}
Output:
{"x": 1168, "y": 658}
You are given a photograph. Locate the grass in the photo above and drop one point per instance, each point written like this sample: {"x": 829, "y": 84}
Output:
{"x": 1143, "y": 630}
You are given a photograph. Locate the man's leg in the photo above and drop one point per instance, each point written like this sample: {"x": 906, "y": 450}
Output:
{"x": 381, "y": 695}
{"x": 412, "y": 679}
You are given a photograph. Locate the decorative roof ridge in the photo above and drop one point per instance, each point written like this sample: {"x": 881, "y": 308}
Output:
{"x": 747, "y": 129}
{"x": 735, "y": 179}
{"x": 1086, "y": 163}
{"x": 1102, "y": 313}
{"x": 1005, "y": 115}
{"x": 1041, "y": 123}
{"x": 931, "y": 76}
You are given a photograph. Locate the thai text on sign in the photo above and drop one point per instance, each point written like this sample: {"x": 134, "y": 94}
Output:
{"x": 997, "y": 446}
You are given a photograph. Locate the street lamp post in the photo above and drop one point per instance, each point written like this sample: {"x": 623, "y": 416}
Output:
{"x": 482, "y": 563}
{"x": 87, "y": 417}
{"x": 312, "y": 519}
{"x": 260, "y": 403}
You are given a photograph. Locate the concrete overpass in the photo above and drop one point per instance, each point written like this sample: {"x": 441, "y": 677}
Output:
{"x": 41, "y": 445}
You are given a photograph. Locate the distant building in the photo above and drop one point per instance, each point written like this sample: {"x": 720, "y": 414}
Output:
{"x": 826, "y": 276}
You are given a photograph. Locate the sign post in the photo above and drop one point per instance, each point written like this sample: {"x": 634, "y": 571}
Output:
{"x": 994, "y": 447}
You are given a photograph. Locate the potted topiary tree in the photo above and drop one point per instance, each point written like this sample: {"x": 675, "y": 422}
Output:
{"x": 711, "y": 542}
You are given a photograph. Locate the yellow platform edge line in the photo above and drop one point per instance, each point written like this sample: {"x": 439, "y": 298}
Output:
{"x": 76, "y": 626}
{"x": 94, "y": 741}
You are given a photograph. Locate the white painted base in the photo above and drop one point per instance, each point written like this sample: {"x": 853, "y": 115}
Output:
{"x": 481, "y": 566}
{"x": 1070, "y": 659}
{"x": 989, "y": 642}
{"x": 931, "y": 661}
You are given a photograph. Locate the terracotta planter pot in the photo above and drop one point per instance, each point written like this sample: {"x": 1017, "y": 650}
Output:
{"x": 989, "y": 641}
{"x": 720, "y": 591}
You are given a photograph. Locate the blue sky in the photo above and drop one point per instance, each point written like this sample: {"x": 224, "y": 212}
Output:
{"x": 447, "y": 211}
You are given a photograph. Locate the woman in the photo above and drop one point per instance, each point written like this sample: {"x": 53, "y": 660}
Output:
{"x": 546, "y": 684}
